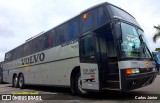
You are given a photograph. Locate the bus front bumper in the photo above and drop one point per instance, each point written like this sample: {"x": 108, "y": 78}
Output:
{"x": 134, "y": 81}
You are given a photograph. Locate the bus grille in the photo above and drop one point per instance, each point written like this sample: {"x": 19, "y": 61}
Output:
{"x": 140, "y": 82}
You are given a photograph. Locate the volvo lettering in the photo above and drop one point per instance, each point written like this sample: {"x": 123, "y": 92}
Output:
{"x": 33, "y": 59}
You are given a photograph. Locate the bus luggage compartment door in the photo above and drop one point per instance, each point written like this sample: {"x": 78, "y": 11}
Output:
{"x": 89, "y": 76}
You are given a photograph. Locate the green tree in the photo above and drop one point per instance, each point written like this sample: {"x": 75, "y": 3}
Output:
{"x": 157, "y": 34}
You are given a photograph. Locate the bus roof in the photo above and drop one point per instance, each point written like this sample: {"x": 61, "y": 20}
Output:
{"x": 93, "y": 7}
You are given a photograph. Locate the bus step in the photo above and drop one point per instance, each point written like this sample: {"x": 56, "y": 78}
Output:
{"x": 113, "y": 76}
{"x": 112, "y": 62}
{"x": 112, "y": 83}
{"x": 115, "y": 89}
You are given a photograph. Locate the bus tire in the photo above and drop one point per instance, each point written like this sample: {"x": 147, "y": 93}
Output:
{"x": 73, "y": 87}
{"x": 21, "y": 81}
{"x": 15, "y": 81}
{"x": 1, "y": 80}
{"x": 78, "y": 84}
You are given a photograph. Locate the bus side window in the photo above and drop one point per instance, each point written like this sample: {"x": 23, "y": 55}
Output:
{"x": 87, "y": 21}
{"x": 37, "y": 44}
{"x": 48, "y": 40}
{"x": 62, "y": 33}
{"x": 13, "y": 52}
{"x": 73, "y": 28}
{"x": 20, "y": 52}
{"x": 87, "y": 48}
{"x": 53, "y": 32}
{"x": 41, "y": 42}
{"x": 34, "y": 45}
{"x": 99, "y": 17}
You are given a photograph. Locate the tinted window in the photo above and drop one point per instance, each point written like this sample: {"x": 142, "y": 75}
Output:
{"x": 27, "y": 48}
{"x": 34, "y": 45}
{"x": 48, "y": 39}
{"x": 12, "y": 55}
{"x": 118, "y": 13}
{"x": 87, "y": 21}
{"x": 73, "y": 28}
{"x": 19, "y": 52}
{"x": 53, "y": 32}
{"x": 62, "y": 33}
{"x": 87, "y": 45}
{"x": 99, "y": 17}
{"x": 37, "y": 44}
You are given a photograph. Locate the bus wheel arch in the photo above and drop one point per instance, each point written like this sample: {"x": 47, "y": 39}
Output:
{"x": 75, "y": 82}
{"x": 21, "y": 80}
{"x": 72, "y": 79}
{"x": 15, "y": 80}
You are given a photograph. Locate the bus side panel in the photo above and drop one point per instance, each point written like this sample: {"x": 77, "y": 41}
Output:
{"x": 8, "y": 72}
{"x": 54, "y": 69}
{"x": 53, "y": 73}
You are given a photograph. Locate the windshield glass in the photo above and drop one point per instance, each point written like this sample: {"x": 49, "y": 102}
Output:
{"x": 132, "y": 44}
{"x": 140, "y": 32}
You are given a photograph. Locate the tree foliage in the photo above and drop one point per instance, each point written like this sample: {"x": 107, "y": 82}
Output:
{"x": 157, "y": 34}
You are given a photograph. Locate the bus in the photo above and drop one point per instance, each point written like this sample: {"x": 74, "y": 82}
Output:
{"x": 1, "y": 72}
{"x": 101, "y": 48}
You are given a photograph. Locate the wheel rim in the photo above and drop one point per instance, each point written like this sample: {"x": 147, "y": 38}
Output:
{"x": 20, "y": 81}
{"x": 15, "y": 81}
{"x": 80, "y": 85}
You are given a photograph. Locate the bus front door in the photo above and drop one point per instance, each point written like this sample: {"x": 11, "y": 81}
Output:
{"x": 88, "y": 64}
{"x": 107, "y": 59}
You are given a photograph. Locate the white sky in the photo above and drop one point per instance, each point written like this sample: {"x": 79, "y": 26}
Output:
{"x": 22, "y": 19}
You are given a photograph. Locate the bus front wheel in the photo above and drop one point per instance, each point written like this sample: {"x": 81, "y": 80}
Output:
{"x": 79, "y": 89}
{"x": 21, "y": 81}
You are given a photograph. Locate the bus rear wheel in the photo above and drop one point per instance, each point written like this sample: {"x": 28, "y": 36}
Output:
{"x": 79, "y": 89}
{"x": 1, "y": 79}
{"x": 21, "y": 81}
{"x": 15, "y": 81}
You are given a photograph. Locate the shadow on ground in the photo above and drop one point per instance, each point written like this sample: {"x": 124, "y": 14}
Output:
{"x": 65, "y": 94}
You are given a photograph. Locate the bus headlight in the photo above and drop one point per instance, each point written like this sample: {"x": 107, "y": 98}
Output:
{"x": 132, "y": 71}
{"x": 153, "y": 69}
{"x": 137, "y": 70}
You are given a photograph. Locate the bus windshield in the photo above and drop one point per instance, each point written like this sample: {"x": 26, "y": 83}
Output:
{"x": 133, "y": 44}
